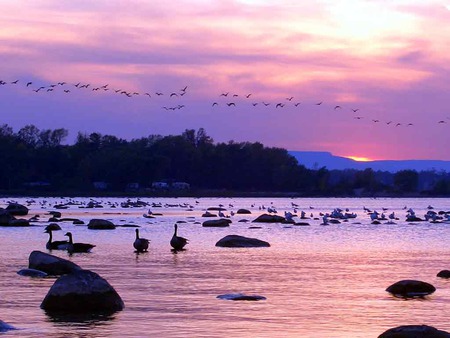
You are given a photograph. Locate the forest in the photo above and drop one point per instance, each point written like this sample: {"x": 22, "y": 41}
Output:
{"x": 35, "y": 161}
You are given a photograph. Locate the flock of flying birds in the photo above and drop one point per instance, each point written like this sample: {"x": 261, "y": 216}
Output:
{"x": 226, "y": 99}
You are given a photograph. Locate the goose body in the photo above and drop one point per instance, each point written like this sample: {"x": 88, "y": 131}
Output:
{"x": 77, "y": 247}
{"x": 56, "y": 245}
{"x": 140, "y": 244}
{"x": 177, "y": 242}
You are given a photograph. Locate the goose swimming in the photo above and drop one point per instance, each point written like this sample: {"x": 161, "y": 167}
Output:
{"x": 77, "y": 247}
{"x": 56, "y": 245}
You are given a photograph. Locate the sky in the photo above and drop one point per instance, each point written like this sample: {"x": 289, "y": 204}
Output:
{"x": 367, "y": 79}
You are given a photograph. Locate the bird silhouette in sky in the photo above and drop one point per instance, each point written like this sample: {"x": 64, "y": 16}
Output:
{"x": 319, "y": 103}
{"x": 231, "y": 104}
{"x": 29, "y": 84}
{"x": 289, "y": 98}
{"x": 266, "y": 104}
{"x": 279, "y": 105}
{"x": 184, "y": 89}
{"x": 248, "y": 95}
{"x": 297, "y": 104}
{"x": 337, "y": 107}
{"x": 224, "y": 94}
{"x": 215, "y": 104}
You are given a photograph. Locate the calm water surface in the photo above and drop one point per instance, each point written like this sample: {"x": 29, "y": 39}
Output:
{"x": 320, "y": 281}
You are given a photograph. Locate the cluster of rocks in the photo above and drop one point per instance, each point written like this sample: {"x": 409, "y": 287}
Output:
{"x": 8, "y": 219}
{"x": 76, "y": 290}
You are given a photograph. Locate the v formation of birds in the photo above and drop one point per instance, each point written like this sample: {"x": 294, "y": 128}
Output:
{"x": 225, "y": 99}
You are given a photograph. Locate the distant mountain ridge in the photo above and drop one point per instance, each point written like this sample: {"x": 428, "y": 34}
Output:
{"x": 318, "y": 159}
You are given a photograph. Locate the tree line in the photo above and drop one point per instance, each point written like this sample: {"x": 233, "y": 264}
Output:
{"x": 38, "y": 160}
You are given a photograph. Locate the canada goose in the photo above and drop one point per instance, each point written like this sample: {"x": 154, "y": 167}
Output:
{"x": 56, "y": 245}
{"x": 140, "y": 244}
{"x": 177, "y": 242}
{"x": 77, "y": 247}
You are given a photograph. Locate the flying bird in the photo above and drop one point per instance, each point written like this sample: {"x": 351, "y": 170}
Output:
{"x": 15, "y": 82}
{"x": 184, "y": 89}
{"x": 266, "y": 104}
{"x": 319, "y": 103}
{"x": 173, "y": 94}
{"x": 159, "y": 94}
{"x": 248, "y": 95}
{"x": 355, "y": 110}
{"x": 29, "y": 84}
{"x": 281, "y": 105}
{"x": 231, "y": 104}
{"x": 297, "y": 104}
{"x": 289, "y": 98}
{"x": 255, "y": 104}
{"x": 215, "y": 104}
{"x": 224, "y": 94}
{"x": 337, "y": 107}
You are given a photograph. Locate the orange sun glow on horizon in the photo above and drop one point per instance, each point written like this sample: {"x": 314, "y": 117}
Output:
{"x": 360, "y": 158}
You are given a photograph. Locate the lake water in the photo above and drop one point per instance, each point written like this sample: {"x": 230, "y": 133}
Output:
{"x": 320, "y": 281}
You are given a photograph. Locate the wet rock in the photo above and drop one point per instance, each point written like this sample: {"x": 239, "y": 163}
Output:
{"x": 266, "y": 218}
{"x": 5, "y": 217}
{"x": 444, "y": 274}
{"x": 55, "y": 214}
{"x": 53, "y": 227}
{"x": 100, "y": 224}
{"x": 302, "y": 224}
{"x": 78, "y": 222}
{"x": 17, "y": 209}
{"x": 32, "y": 273}
{"x": 50, "y": 264}
{"x": 411, "y": 288}
{"x": 6, "y": 327}
{"x": 413, "y": 219}
{"x": 243, "y": 212}
{"x": 236, "y": 241}
{"x": 208, "y": 214}
{"x": 19, "y": 223}
{"x": 414, "y": 331}
{"x": 82, "y": 291}
{"x": 217, "y": 223}
{"x": 241, "y": 296}
{"x": 216, "y": 209}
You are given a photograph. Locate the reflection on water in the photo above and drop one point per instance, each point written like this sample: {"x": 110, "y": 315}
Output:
{"x": 319, "y": 281}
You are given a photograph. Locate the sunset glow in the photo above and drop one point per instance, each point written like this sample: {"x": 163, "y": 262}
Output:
{"x": 359, "y": 158}
{"x": 384, "y": 64}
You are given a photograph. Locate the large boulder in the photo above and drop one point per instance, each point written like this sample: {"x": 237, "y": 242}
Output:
{"x": 411, "y": 288}
{"x": 17, "y": 209}
{"x": 19, "y": 223}
{"x": 82, "y": 291}
{"x": 266, "y": 218}
{"x": 100, "y": 224}
{"x": 414, "y": 331}
{"x": 5, "y": 217}
{"x": 50, "y": 264}
{"x": 236, "y": 241}
{"x": 217, "y": 223}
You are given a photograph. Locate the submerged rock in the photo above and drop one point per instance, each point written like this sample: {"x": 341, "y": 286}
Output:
{"x": 243, "y": 212}
{"x": 82, "y": 291}
{"x": 411, "y": 288}
{"x": 32, "y": 273}
{"x": 6, "y": 327}
{"x": 50, "y": 264}
{"x": 241, "y": 296}
{"x": 414, "y": 331}
{"x": 236, "y": 241}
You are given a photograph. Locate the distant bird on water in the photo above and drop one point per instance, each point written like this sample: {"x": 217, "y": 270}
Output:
{"x": 177, "y": 242}
{"x": 77, "y": 247}
{"x": 140, "y": 244}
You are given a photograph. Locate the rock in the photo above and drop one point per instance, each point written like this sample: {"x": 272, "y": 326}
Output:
{"x": 301, "y": 223}
{"x": 243, "y": 211}
{"x": 19, "y": 223}
{"x": 5, "y": 217}
{"x": 413, "y": 219}
{"x": 50, "y": 264}
{"x": 32, "y": 273}
{"x": 53, "y": 227}
{"x": 17, "y": 209}
{"x": 266, "y": 218}
{"x": 6, "y": 327}
{"x": 100, "y": 224}
{"x": 411, "y": 288}
{"x": 216, "y": 209}
{"x": 217, "y": 223}
{"x": 240, "y": 296}
{"x": 414, "y": 331}
{"x": 208, "y": 214}
{"x": 236, "y": 241}
{"x": 444, "y": 274}
{"x": 55, "y": 214}
{"x": 82, "y": 291}
{"x": 243, "y": 221}
{"x": 376, "y": 222}
{"x": 78, "y": 222}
